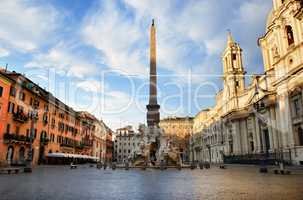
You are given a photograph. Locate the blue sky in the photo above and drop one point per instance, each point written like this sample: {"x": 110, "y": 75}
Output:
{"x": 94, "y": 54}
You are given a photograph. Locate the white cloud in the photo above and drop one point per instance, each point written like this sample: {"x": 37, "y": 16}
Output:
{"x": 214, "y": 46}
{"x": 4, "y": 52}
{"x": 190, "y": 36}
{"x": 64, "y": 61}
{"x": 90, "y": 86}
{"x": 25, "y": 25}
{"x": 111, "y": 32}
{"x": 249, "y": 26}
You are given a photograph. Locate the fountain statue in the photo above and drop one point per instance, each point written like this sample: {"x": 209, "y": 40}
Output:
{"x": 154, "y": 148}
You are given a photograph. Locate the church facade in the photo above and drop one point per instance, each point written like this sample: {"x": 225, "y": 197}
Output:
{"x": 265, "y": 119}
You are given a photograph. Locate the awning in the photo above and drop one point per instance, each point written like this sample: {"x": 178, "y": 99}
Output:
{"x": 69, "y": 155}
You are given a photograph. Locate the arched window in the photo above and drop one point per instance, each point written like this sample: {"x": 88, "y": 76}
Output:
{"x": 290, "y": 35}
{"x": 22, "y": 154}
{"x": 10, "y": 154}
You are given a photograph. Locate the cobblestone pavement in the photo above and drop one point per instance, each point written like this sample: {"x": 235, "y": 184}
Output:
{"x": 59, "y": 182}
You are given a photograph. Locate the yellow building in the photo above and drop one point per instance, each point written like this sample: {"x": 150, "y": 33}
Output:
{"x": 177, "y": 126}
{"x": 178, "y": 130}
{"x": 264, "y": 119}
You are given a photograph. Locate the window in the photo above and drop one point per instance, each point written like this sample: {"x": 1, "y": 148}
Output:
{"x": 22, "y": 96}
{"x": 8, "y": 127}
{"x": 296, "y": 106}
{"x": 300, "y": 135}
{"x": 13, "y": 92}
{"x": 290, "y": 35}
{"x": 45, "y": 118}
{"x": 11, "y": 107}
{"x": 46, "y": 108}
{"x": 36, "y": 103}
{"x": 234, "y": 56}
{"x": 17, "y": 130}
{"x": 20, "y": 109}
{"x": 1, "y": 91}
{"x": 252, "y": 147}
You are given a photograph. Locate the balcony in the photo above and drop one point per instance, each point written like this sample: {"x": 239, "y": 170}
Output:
{"x": 86, "y": 144}
{"x": 20, "y": 117}
{"x": 12, "y": 138}
{"x": 80, "y": 146}
{"x": 66, "y": 145}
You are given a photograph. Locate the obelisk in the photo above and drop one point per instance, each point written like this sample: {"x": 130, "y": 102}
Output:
{"x": 153, "y": 115}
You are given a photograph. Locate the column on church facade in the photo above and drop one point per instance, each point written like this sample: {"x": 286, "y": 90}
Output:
{"x": 279, "y": 126}
{"x": 244, "y": 136}
{"x": 225, "y": 136}
{"x": 258, "y": 135}
{"x": 295, "y": 27}
{"x": 237, "y": 137}
{"x": 282, "y": 38}
{"x": 270, "y": 129}
{"x": 266, "y": 58}
{"x": 290, "y": 132}
{"x": 274, "y": 128}
{"x": 300, "y": 31}
{"x": 252, "y": 129}
{"x": 285, "y": 121}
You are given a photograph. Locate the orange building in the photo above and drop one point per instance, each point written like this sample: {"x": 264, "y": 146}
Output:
{"x": 109, "y": 145}
{"x": 59, "y": 133}
{"x": 5, "y": 84}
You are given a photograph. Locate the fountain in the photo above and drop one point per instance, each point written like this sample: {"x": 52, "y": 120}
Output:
{"x": 155, "y": 148}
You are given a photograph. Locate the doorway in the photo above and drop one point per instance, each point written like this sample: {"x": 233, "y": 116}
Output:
{"x": 21, "y": 155}
{"x": 267, "y": 141}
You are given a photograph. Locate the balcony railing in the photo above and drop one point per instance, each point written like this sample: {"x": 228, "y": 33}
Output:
{"x": 78, "y": 146}
{"x": 20, "y": 117}
{"x": 9, "y": 137}
{"x": 66, "y": 145}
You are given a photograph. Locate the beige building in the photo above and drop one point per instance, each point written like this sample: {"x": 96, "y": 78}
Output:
{"x": 264, "y": 119}
{"x": 177, "y": 126}
{"x": 126, "y": 142}
{"x": 178, "y": 130}
{"x": 99, "y": 142}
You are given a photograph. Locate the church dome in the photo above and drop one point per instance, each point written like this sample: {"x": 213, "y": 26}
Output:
{"x": 270, "y": 19}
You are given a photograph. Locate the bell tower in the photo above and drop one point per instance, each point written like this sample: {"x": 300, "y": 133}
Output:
{"x": 233, "y": 71}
